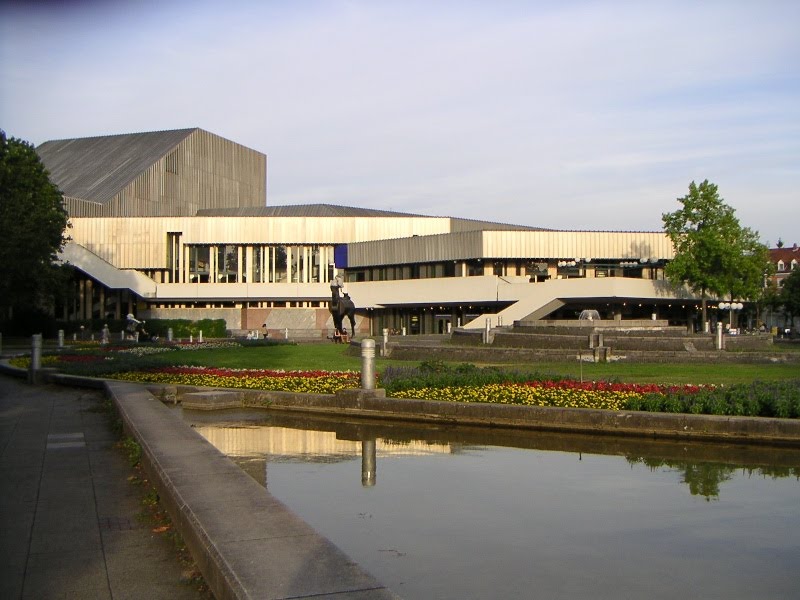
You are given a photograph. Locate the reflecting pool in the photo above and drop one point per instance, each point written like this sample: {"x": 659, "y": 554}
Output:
{"x": 465, "y": 513}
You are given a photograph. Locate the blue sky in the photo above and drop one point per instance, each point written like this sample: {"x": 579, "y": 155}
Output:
{"x": 569, "y": 115}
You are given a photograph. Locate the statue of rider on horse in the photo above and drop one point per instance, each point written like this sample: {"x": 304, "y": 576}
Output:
{"x": 341, "y": 307}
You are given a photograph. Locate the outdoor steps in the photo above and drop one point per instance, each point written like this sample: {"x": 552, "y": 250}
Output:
{"x": 620, "y": 340}
{"x": 486, "y": 353}
{"x": 615, "y": 340}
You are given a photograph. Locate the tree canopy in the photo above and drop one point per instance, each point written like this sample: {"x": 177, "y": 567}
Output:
{"x": 33, "y": 223}
{"x": 789, "y": 297}
{"x": 714, "y": 255}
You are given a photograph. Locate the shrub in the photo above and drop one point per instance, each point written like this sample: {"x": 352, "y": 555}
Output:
{"x": 757, "y": 399}
{"x": 183, "y": 328}
{"x": 436, "y": 374}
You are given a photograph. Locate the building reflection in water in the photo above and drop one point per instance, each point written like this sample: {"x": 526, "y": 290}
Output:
{"x": 253, "y": 447}
{"x": 702, "y": 467}
{"x": 479, "y": 512}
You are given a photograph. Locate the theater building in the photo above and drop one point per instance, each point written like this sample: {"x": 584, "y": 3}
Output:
{"x": 176, "y": 224}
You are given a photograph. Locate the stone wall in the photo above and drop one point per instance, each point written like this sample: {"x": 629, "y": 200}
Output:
{"x": 529, "y": 356}
{"x": 307, "y": 323}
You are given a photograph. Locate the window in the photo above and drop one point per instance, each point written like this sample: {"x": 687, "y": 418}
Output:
{"x": 173, "y": 254}
{"x": 279, "y": 256}
{"x": 199, "y": 259}
{"x": 794, "y": 264}
{"x": 474, "y": 269}
{"x": 227, "y": 260}
{"x": 781, "y": 265}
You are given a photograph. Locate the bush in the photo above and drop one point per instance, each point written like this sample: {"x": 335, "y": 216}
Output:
{"x": 437, "y": 374}
{"x": 183, "y": 328}
{"x": 758, "y": 399}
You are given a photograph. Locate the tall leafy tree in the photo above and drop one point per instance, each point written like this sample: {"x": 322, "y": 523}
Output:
{"x": 714, "y": 255}
{"x": 789, "y": 297}
{"x": 747, "y": 275}
{"x": 33, "y": 223}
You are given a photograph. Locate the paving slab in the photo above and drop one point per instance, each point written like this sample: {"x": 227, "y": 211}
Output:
{"x": 70, "y": 523}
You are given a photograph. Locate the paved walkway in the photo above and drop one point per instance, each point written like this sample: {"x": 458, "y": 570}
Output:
{"x": 69, "y": 525}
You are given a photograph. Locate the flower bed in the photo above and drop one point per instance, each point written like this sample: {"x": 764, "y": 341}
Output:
{"x": 564, "y": 393}
{"x": 437, "y": 381}
{"x": 315, "y": 382}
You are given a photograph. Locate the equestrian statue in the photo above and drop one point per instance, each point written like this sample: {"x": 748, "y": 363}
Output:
{"x": 340, "y": 308}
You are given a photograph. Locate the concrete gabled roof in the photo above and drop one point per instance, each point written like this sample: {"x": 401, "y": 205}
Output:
{"x": 460, "y": 224}
{"x": 335, "y": 210}
{"x": 302, "y": 210}
{"x": 98, "y": 168}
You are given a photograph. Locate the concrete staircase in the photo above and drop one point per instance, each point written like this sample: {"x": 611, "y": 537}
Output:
{"x": 600, "y": 341}
{"x": 623, "y": 336}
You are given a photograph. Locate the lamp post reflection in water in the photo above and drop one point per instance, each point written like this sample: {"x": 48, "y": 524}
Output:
{"x": 369, "y": 463}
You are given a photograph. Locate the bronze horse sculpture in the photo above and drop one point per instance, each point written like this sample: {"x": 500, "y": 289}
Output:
{"x": 340, "y": 308}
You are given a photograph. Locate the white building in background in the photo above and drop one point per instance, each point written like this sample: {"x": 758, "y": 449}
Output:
{"x": 176, "y": 224}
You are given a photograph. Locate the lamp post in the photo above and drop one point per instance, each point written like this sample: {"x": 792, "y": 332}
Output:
{"x": 731, "y": 307}
{"x": 577, "y": 262}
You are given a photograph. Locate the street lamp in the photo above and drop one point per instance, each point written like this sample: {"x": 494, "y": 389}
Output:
{"x": 731, "y": 307}
{"x": 576, "y": 262}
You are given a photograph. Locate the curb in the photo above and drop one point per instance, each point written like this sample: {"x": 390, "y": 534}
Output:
{"x": 246, "y": 543}
{"x": 372, "y": 404}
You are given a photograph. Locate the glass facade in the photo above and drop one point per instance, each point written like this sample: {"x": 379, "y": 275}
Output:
{"x": 260, "y": 263}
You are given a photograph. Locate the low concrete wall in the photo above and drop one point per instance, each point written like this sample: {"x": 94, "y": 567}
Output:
{"x": 504, "y": 339}
{"x": 463, "y": 337}
{"x": 362, "y": 403}
{"x": 582, "y": 324}
{"x": 625, "y": 340}
{"x": 531, "y": 356}
{"x": 245, "y": 542}
{"x": 305, "y": 323}
{"x": 612, "y": 340}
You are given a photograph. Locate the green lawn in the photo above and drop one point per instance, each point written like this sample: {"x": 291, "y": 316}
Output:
{"x": 331, "y": 357}
{"x": 323, "y": 357}
{"x": 676, "y": 373}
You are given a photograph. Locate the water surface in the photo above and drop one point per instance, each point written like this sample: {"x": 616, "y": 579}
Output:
{"x": 462, "y": 513}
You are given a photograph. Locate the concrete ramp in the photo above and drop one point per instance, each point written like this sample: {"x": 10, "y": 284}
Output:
{"x": 87, "y": 261}
{"x": 533, "y": 301}
{"x": 545, "y": 310}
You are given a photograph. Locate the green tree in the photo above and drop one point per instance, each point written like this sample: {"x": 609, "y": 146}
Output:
{"x": 789, "y": 297}
{"x": 33, "y": 222}
{"x": 770, "y": 301}
{"x": 747, "y": 274}
{"x": 714, "y": 255}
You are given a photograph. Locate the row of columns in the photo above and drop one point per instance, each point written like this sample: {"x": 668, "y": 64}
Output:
{"x": 84, "y": 301}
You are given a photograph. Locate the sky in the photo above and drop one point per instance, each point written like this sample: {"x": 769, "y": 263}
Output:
{"x": 567, "y": 115}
